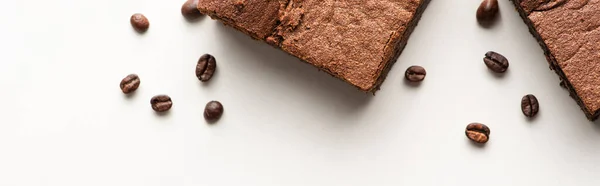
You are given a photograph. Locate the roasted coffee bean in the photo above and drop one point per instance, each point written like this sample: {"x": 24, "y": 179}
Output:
{"x": 139, "y": 22}
{"x": 130, "y": 83}
{"x": 530, "y": 105}
{"x": 213, "y": 111}
{"x": 161, "y": 103}
{"x": 487, "y": 11}
{"x": 206, "y": 67}
{"x": 415, "y": 73}
{"x": 478, "y": 132}
{"x": 189, "y": 10}
{"x": 495, "y": 62}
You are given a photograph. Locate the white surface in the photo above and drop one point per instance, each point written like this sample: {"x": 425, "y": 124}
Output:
{"x": 64, "y": 121}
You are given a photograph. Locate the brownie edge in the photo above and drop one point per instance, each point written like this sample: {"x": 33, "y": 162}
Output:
{"x": 256, "y": 18}
{"x": 355, "y": 41}
{"x": 400, "y": 44}
{"x": 523, "y": 8}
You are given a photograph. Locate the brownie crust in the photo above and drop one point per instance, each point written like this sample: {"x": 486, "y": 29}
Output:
{"x": 356, "y": 41}
{"x": 256, "y": 18}
{"x": 567, "y": 31}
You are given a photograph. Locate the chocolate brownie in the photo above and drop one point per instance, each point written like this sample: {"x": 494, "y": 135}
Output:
{"x": 357, "y": 41}
{"x": 568, "y": 32}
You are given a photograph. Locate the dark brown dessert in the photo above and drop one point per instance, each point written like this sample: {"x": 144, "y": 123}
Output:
{"x": 568, "y": 32}
{"x": 357, "y": 41}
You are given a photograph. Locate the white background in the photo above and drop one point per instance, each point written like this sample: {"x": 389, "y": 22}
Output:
{"x": 64, "y": 121}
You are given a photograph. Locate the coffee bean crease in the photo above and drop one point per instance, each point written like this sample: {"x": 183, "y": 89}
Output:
{"x": 496, "y": 62}
{"x": 161, "y": 103}
{"x": 206, "y": 67}
{"x": 415, "y": 73}
{"x": 477, "y": 132}
{"x": 130, "y": 83}
{"x": 529, "y": 105}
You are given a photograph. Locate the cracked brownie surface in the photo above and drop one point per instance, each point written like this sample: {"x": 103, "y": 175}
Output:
{"x": 354, "y": 40}
{"x": 568, "y": 32}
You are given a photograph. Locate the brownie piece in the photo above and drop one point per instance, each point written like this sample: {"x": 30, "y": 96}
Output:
{"x": 567, "y": 30}
{"x": 356, "y": 41}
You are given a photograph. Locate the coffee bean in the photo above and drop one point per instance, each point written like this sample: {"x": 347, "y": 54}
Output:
{"x": 213, "y": 111}
{"x": 189, "y": 10}
{"x": 478, "y": 132}
{"x": 487, "y": 11}
{"x": 139, "y": 22}
{"x": 206, "y": 67}
{"x": 161, "y": 103}
{"x": 130, "y": 83}
{"x": 415, "y": 73}
{"x": 530, "y": 105}
{"x": 495, "y": 62}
